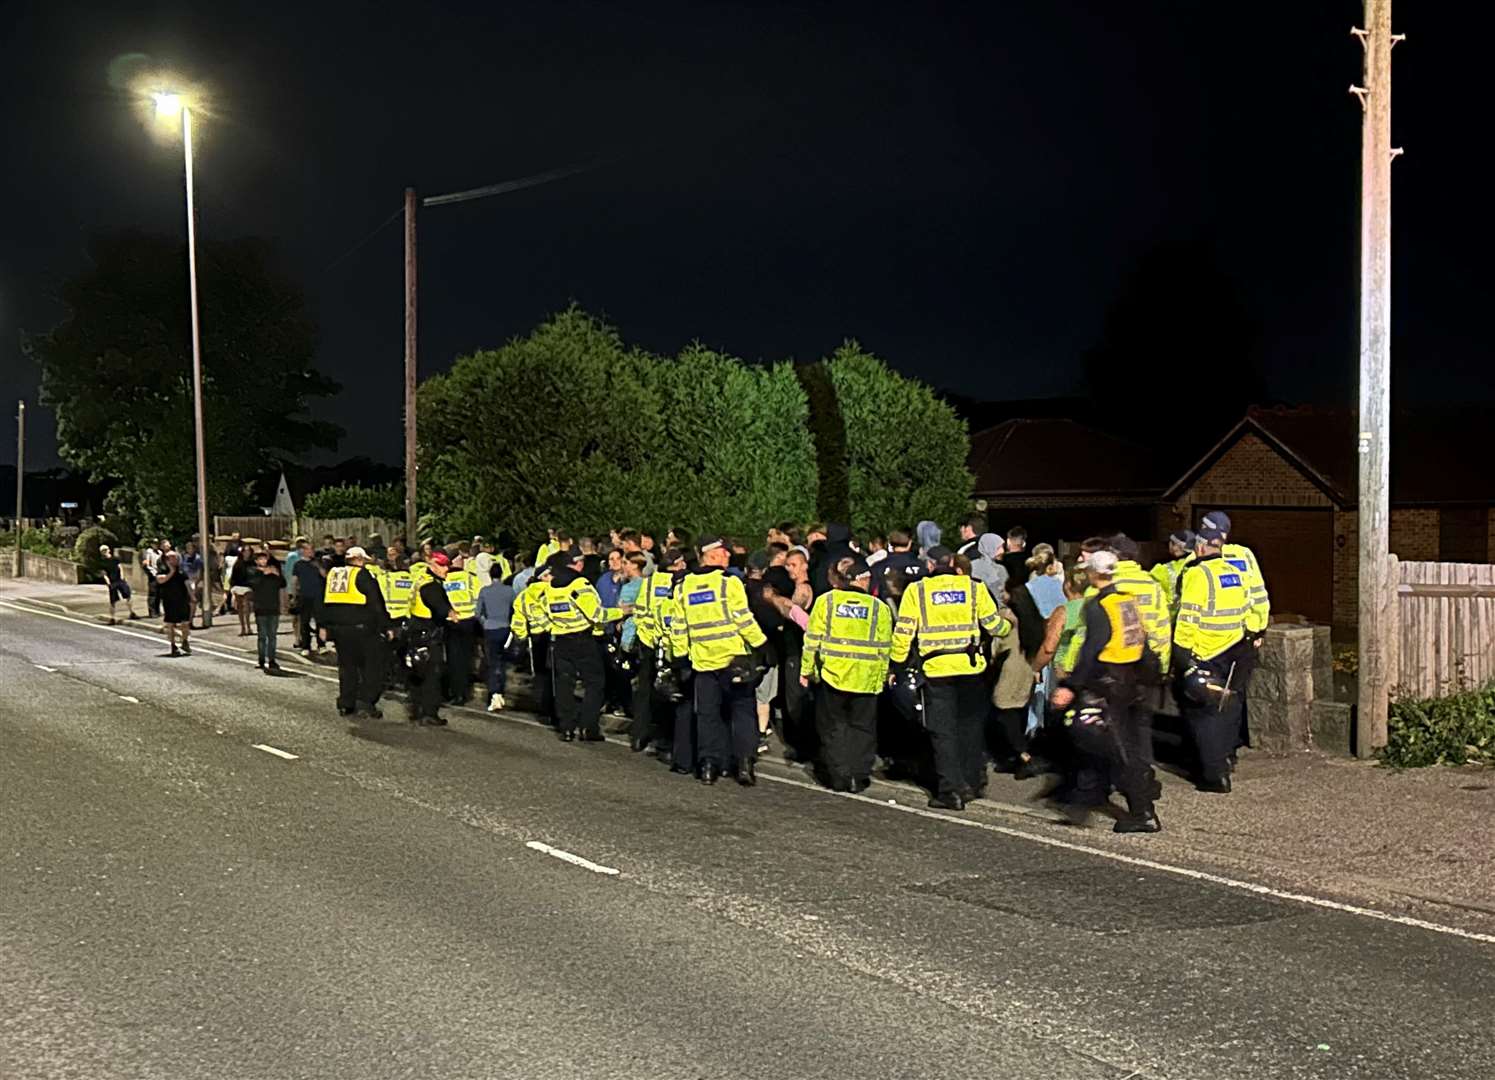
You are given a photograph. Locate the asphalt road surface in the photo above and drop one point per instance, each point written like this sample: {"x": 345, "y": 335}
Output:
{"x": 176, "y": 901}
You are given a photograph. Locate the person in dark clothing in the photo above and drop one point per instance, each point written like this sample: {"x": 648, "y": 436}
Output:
{"x": 266, "y": 583}
{"x": 308, "y": 574}
{"x": 1015, "y": 558}
{"x": 431, "y": 615}
{"x": 239, "y": 593}
{"x": 353, "y": 609}
{"x": 1102, "y": 696}
{"x": 902, "y": 558}
{"x": 837, "y": 547}
{"x": 119, "y": 588}
{"x": 175, "y": 592}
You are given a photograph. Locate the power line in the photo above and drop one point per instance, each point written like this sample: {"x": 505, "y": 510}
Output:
{"x": 510, "y": 185}
{"x": 371, "y": 234}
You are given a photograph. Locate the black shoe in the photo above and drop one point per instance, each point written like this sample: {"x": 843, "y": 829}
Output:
{"x": 1138, "y": 823}
{"x": 566, "y": 736}
{"x": 436, "y": 721}
{"x": 708, "y": 773}
{"x": 637, "y": 745}
{"x": 950, "y": 801}
{"x": 861, "y": 784}
{"x": 682, "y": 770}
{"x": 972, "y": 794}
{"x": 344, "y": 712}
{"x": 272, "y": 668}
{"x": 134, "y": 617}
{"x": 1030, "y": 769}
{"x": 591, "y": 736}
{"x": 186, "y": 650}
{"x": 746, "y": 776}
{"x": 1215, "y": 787}
{"x": 371, "y": 713}
{"x": 175, "y": 651}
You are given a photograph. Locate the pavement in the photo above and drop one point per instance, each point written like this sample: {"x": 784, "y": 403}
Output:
{"x": 181, "y": 898}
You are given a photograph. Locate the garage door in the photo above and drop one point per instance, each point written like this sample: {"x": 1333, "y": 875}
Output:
{"x": 1296, "y": 552}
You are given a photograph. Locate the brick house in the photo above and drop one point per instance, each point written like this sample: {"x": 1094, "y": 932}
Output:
{"x": 1287, "y": 477}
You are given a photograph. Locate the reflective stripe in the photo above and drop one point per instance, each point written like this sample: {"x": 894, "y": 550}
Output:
{"x": 844, "y": 655}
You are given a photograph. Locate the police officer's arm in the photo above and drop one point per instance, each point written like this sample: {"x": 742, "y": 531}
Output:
{"x": 815, "y": 634}
{"x": 679, "y": 627}
{"x": 1193, "y": 595}
{"x": 908, "y": 623}
{"x": 988, "y": 616}
{"x": 741, "y": 615}
{"x": 374, "y": 599}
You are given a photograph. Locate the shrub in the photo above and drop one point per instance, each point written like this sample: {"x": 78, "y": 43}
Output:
{"x": 1455, "y": 730}
{"x": 357, "y": 501}
{"x": 37, "y": 542}
{"x": 86, "y": 550}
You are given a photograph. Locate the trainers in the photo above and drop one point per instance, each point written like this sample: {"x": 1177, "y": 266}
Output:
{"x": 495, "y": 703}
{"x": 1138, "y": 823}
{"x": 175, "y": 651}
{"x": 186, "y": 650}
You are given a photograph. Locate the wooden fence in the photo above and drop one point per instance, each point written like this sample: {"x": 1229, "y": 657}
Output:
{"x": 1445, "y": 614}
{"x": 259, "y": 526}
{"x": 358, "y": 528}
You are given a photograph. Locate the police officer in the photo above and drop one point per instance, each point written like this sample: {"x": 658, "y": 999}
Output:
{"x": 1211, "y": 652}
{"x": 398, "y": 586}
{"x": 716, "y": 635}
{"x": 353, "y": 610}
{"x": 462, "y": 593}
{"x": 1109, "y": 720}
{"x": 1130, "y": 579}
{"x": 649, "y": 614}
{"x": 576, "y": 618}
{"x": 532, "y": 625}
{"x": 847, "y": 643}
{"x": 1167, "y": 572}
{"x": 946, "y": 613}
{"x": 430, "y": 614}
{"x": 676, "y": 673}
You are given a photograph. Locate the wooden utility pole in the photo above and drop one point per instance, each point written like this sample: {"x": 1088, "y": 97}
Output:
{"x": 412, "y": 537}
{"x": 1376, "y": 623}
{"x": 20, "y": 476}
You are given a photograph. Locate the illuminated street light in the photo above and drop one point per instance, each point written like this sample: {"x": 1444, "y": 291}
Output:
{"x": 170, "y": 105}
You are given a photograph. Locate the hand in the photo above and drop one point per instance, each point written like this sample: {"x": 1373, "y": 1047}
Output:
{"x": 1063, "y": 697}
{"x": 804, "y": 680}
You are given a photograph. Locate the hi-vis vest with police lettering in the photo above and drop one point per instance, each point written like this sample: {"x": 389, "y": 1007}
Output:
{"x": 460, "y": 593}
{"x": 1214, "y": 603}
{"x": 1128, "y": 635}
{"x": 848, "y": 640}
{"x": 1243, "y": 560}
{"x": 399, "y": 587}
{"x": 946, "y": 613}
{"x": 342, "y": 586}
{"x": 647, "y": 613}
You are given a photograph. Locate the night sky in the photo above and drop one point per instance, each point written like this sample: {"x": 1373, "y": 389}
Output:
{"x": 964, "y": 188}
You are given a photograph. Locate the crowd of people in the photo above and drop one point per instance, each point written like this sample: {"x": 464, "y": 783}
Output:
{"x": 939, "y": 660}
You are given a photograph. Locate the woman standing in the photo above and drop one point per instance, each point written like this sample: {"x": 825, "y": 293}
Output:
{"x": 176, "y": 602}
{"x": 238, "y": 586}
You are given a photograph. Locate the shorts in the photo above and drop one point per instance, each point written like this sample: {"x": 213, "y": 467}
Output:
{"x": 768, "y": 687}
{"x": 119, "y": 590}
{"x": 241, "y": 590}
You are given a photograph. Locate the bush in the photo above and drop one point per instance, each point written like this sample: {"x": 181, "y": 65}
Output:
{"x": 37, "y": 542}
{"x": 86, "y": 550}
{"x": 385, "y": 501}
{"x": 1455, "y": 730}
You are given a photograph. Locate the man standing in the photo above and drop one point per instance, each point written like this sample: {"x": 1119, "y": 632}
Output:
{"x": 119, "y": 588}
{"x": 309, "y": 585}
{"x": 1168, "y": 572}
{"x": 265, "y": 586}
{"x": 1211, "y": 652}
{"x": 353, "y": 609}
{"x": 461, "y": 638}
{"x": 496, "y": 612}
{"x": 946, "y": 614}
{"x": 715, "y": 632}
{"x": 971, "y": 528}
{"x": 648, "y": 620}
{"x": 1015, "y": 559}
{"x": 846, "y": 653}
{"x": 577, "y": 618}
{"x": 1106, "y": 715}
{"x": 430, "y": 614}
{"x": 531, "y": 624}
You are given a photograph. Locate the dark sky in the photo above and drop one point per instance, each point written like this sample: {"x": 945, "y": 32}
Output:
{"x": 964, "y": 188}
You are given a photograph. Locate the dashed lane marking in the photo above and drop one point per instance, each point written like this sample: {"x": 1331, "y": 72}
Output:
{"x": 574, "y": 860}
{"x": 277, "y": 751}
{"x": 1320, "y": 902}
{"x": 44, "y": 667}
{"x": 131, "y": 700}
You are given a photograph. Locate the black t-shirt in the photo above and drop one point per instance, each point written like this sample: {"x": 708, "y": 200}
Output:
{"x": 1017, "y": 567}
{"x": 265, "y": 588}
{"x": 111, "y": 570}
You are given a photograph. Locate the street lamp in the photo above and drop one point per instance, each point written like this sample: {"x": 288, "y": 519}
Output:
{"x": 169, "y": 106}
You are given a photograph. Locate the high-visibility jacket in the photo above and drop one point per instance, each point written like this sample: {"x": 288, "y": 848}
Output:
{"x": 848, "y": 641}
{"x": 1167, "y": 574}
{"x": 341, "y": 586}
{"x": 946, "y": 614}
{"x": 1214, "y": 602}
{"x": 1243, "y": 559}
{"x": 531, "y": 612}
{"x": 574, "y": 607}
{"x": 546, "y": 550}
{"x": 712, "y": 623}
{"x": 419, "y": 609}
{"x": 420, "y": 571}
{"x": 398, "y": 587}
{"x": 462, "y": 592}
{"x": 648, "y": 610}
{"x": 1152, "y": 604}
{"x": 1129, "y": 635}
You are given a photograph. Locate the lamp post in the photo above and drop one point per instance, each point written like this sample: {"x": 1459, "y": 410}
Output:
{"x": 169, "y": 106}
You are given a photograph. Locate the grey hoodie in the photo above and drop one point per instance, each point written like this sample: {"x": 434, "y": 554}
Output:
{"x": 929, "y": 536}
{"x": 986, "y": 568}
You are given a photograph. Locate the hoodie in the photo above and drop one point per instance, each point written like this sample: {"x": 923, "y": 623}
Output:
{"x": 985, "y": 567}
{"x": 929, "y": 536}
{"x": 837, "y": 546}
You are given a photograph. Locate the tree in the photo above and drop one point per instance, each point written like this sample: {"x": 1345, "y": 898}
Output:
{"x": 385, "y": 501}
{"x": 905, "y": 449}
{"x": 118, "y": 374}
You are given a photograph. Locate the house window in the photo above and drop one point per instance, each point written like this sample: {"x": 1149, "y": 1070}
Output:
{"x": 1463, "y": 535}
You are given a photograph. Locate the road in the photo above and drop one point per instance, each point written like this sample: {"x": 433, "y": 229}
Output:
{"x": 177, "y": 902}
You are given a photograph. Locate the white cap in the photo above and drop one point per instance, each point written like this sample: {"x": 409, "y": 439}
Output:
{"x": 355, "y": 552}
{"x": 1102, "y": 563}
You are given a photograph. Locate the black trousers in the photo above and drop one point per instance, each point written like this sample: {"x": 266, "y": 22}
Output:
{"x": 425, "y": 681}
{"x": 360, "y": 666}
{"x": 954, "y": 713}
{"x": 575, "y": 656}
{"x": 461, "y": 638}
{"x": 1119, "y": 753}
{"x": 303, "y": 625}
{"x": 799, "y": 729}
{"x": 848, "y": 735}
{"x": 643, "y": 728}
{"x": 726, "y": 719}
{"x": 539, "y": 665}
{"x": 1215, "y": 732}
{"x": 1010, "y": 735}
{"x": 684, "y": 746}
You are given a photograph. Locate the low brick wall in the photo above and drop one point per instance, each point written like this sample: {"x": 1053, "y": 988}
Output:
{"x": 1291, "y": 697}
{"x": 42, "y": 568}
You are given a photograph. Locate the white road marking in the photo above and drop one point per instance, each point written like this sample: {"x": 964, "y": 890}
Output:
{"x": 574, "y": 860}
{"x": 1002, "y": 830}
{"x": 277, "y": 751}
{"x": 44, "y": 667}
{"x": 131, "y": 700}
